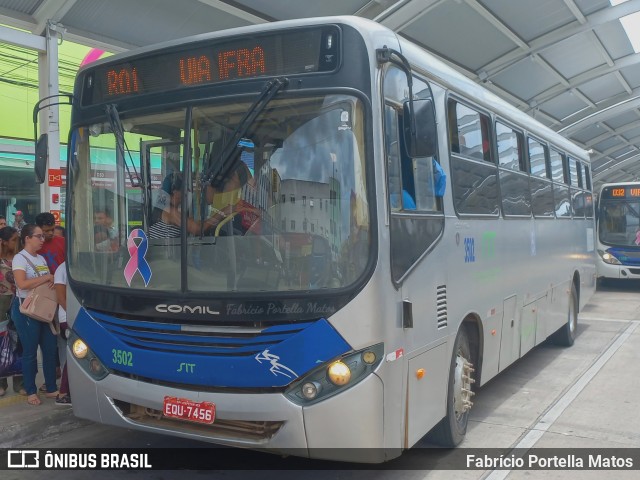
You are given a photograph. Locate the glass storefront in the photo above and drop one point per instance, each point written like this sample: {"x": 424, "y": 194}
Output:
{"x": 18, "y": 189}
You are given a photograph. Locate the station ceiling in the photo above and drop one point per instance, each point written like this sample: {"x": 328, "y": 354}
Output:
{"x": 568, "y": 63}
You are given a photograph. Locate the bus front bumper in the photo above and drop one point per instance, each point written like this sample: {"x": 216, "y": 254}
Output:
{"x": 331, "y": 429}
{"x": 606, "y": 270}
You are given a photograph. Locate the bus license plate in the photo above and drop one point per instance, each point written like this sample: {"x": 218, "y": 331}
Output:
{"x": 185, "y": 409}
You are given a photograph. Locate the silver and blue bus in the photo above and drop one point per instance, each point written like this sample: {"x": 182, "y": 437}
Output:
{"x": 618, "y": 222}
{"x": 399, "y": 236}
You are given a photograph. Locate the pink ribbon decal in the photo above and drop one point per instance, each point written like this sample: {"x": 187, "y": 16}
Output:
{"x": 137, "y": 262}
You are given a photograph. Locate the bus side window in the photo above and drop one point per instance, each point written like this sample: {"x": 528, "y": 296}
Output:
{"x": 469, "y": 132}
{"x": 406, "y": 176}
{"x": 474, "y": 174}
{"x": 392, "y": 141}
{"x": 411, "y": 180}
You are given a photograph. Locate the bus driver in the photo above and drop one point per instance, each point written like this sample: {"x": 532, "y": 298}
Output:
{"x": 225, "y": 195}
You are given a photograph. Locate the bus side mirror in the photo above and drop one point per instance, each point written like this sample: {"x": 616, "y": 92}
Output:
{"x": 40, "y": 166}
{"x": 423, "y": 143}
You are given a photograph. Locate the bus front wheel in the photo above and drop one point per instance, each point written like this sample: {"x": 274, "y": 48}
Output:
{"x": 453, "y": 427}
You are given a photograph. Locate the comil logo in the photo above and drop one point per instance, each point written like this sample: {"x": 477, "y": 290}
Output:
{"x": 23, "y": 459}
{"x": 200, "y": 309}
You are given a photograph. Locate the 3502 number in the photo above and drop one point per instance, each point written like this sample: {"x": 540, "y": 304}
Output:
{"x": 122, "y": 357}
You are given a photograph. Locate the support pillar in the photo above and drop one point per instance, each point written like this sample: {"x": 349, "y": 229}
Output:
{"x": 50, "y": 199}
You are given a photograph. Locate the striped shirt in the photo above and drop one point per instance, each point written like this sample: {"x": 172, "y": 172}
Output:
{"x": 161, "y": 229}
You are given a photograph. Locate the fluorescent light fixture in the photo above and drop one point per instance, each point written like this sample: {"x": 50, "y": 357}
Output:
{"x": 631, "y": 25}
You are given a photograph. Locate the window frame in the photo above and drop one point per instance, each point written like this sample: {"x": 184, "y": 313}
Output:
{"x": 453, "y": 97}
{"x": 485, "y": 119}
{"x": 523, "y": 166}
{"x": 547, "y": 157}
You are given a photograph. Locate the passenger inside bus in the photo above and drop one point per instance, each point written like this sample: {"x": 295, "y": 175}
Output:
{"x": 102, "y": 218}
{"x": 101, "y": 238}
{"x": 166, "y": 216}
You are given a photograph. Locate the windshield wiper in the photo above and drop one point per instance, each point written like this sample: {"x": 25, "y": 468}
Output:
{"x": 219, "y": 169}
{"x": 118, "y": 132}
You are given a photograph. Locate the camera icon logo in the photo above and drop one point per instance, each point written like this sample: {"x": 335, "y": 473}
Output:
{"x": 23, "y": 459}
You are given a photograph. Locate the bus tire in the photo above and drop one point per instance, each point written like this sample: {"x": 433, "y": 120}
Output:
{"x": 453, "y": 427}
{"x": 566, "y": 335}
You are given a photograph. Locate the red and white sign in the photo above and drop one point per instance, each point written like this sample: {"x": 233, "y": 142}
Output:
{"x": 55, "y": 177}
{"x": 56, "y": 216}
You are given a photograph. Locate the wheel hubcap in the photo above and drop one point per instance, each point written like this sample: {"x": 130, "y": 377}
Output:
{"x": 462, "y": 387}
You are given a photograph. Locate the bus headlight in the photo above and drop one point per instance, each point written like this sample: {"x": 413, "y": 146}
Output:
{"x": 608, "y": 258}
{"x": 339, "y": 373}
{"x": 87, "y": 359}
{"x": 326, "y": 381}
{"x": 310, "y": 390}
{"x": 79, "y": 349}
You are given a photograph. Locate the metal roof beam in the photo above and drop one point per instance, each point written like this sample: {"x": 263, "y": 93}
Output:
{"x": 623, "y": 82}
{"x": 550, "y": 39}
{"x": 609, "y": 151}
{"x": 615, "y": 166}
{"x": 610, "y": 132}
{"x": 15, "y": 19}
{"x": 575, "y": 10}
{"x": 22, "y": 39}
{"x": 95, "y": 41}
{"x": 398, "y": 17}
{"x": 543, "y": 63}
{"x": 374, "y": 8}
{"x": 607, "y": 109}
{"x": 50, "y": 11}
{"x": 589, "y": 75}
{"x": 497, "y": 23}
{"x": 99, "y": 41}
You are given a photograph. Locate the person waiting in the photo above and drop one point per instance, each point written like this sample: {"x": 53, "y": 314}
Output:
{"x": 29, "y": 271}
{"x": 9, "y": 242}
{"x": 53, "y": 248}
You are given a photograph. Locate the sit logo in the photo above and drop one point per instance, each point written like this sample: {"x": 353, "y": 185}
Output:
{"x": 186, "y": 368}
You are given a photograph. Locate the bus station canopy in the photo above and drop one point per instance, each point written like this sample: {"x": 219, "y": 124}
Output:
{"x": 568, "y": 63}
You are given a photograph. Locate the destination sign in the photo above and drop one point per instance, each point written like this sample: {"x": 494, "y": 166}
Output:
{"x": 287, "y": 52}
{"x": 621, "y": 192}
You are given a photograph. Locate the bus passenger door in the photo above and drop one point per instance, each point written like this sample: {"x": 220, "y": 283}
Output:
{"x": 510, "y": 340}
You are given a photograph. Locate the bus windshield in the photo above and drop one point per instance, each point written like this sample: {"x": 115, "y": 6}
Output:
{"x": 619, "y": 222}
{"x": 163, "y": 209}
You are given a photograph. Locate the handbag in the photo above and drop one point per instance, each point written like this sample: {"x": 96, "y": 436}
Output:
{"x": 10, "y": 358}
{"x": 41, "y": 303}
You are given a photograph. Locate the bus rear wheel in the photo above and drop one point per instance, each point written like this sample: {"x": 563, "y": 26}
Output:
{"x": 566, "y": 335}
{"x": 453, "y": 427}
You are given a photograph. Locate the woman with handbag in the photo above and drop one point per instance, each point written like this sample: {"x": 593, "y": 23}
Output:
{"x": 9, "y": 241}
{"x": 30, "y": 271}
